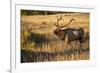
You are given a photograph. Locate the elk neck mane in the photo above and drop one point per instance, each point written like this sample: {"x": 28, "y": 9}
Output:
{"x": 60, "y": 34}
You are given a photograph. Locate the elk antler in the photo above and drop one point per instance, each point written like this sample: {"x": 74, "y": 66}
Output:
{"x": 68, "y": 23}
{"x": 58, "y": 19}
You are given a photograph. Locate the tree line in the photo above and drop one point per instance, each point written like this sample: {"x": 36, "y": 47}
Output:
{"x": 35, "y": 12}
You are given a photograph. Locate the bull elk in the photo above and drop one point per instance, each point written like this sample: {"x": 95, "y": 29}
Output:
{"x": 69, "y": 34}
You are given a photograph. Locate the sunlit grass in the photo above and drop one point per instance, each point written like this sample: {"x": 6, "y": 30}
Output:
{"x": 39, "y": 43}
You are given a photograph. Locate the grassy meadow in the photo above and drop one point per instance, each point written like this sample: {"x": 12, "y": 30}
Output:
{"x": 40, "y": 44}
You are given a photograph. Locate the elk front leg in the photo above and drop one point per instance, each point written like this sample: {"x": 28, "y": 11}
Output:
{"x": 66, "y": 41}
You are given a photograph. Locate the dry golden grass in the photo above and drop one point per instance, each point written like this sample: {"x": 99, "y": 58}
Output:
{"x": 52, "y": 49}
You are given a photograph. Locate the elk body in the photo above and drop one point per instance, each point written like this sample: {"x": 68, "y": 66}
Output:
{"x": 69, "y": 34}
